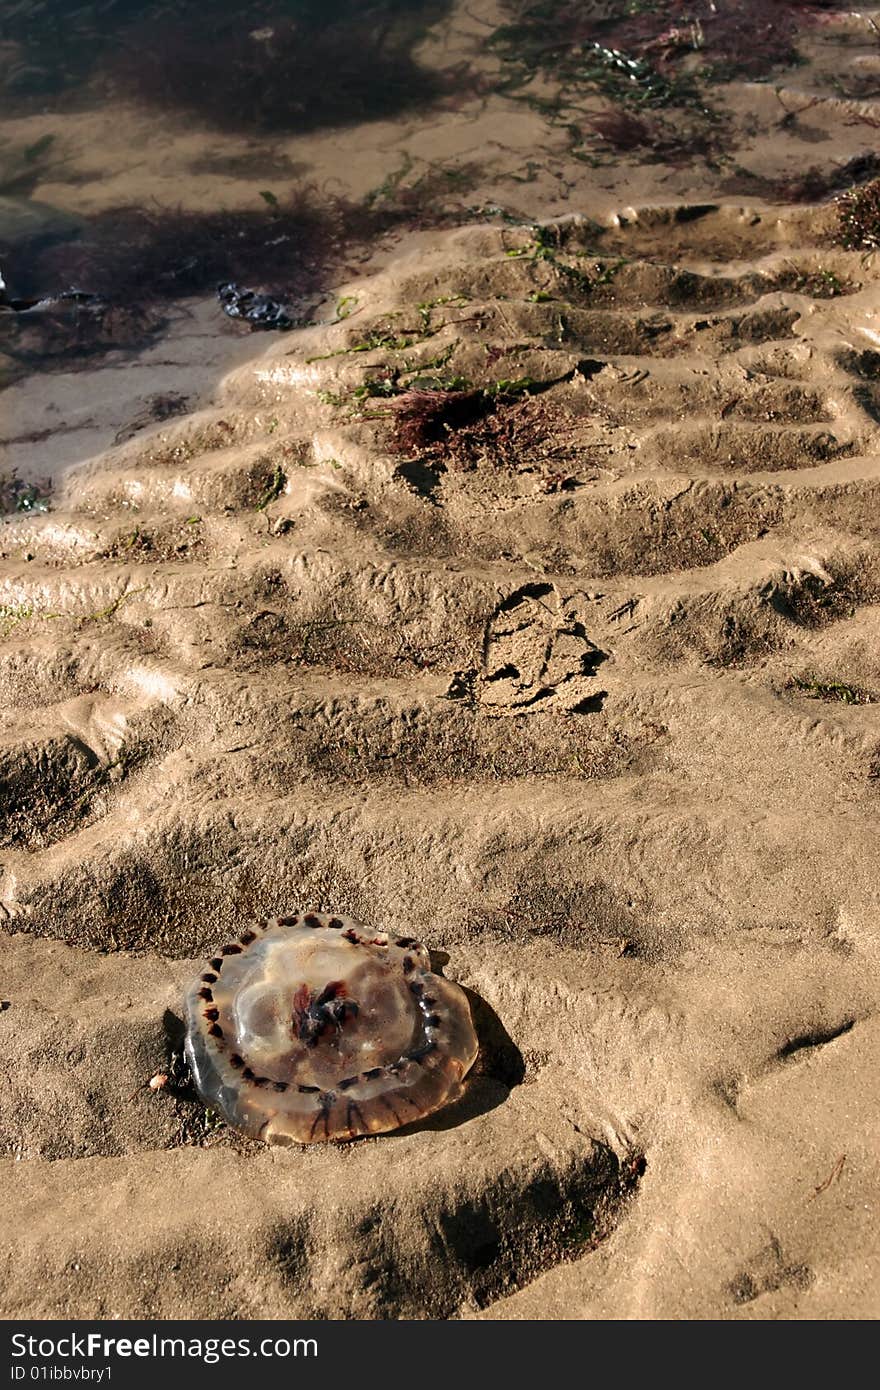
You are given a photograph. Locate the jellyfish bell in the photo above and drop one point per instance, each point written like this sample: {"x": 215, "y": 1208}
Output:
{"x": 314, "y": 1027}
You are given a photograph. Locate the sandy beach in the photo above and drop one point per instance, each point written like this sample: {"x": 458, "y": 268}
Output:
{"x": 579, "y": 686}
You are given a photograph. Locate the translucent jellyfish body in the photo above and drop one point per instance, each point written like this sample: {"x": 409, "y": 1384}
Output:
{"x": 314, "y": 1027}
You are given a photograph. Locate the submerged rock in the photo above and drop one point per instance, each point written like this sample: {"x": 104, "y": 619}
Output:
{"x": 259, "y": 310}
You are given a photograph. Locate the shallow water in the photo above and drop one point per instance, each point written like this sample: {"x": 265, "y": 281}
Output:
{"x": 198, "y": 190}
{"x": 143, "y": 161}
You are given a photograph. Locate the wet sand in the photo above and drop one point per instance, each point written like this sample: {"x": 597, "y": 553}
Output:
{"x": 585, "y": 696}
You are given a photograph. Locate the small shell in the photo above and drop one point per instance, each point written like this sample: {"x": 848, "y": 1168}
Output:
{"x": 314, "y": 1027}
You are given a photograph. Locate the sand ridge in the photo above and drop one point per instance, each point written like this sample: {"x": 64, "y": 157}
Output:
{"x": 583, "y": 692}
{"x": 508, "y": 715}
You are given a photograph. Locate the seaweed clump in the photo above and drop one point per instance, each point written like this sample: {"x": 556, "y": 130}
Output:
{"x": 150, "y": 254}
{"x": 657, "y": 139}
{"x": 843, "y": 693}
{"x": 814, "y": 185}
{"x": 282, "y": 65}
{"x": 655, "y": 65}
{"x": 299, "y": 68}
{"x": 859, "y": 217}
{"x": 503, "y": 426}
{"x": 430, "y": 420}
{"x": 650, "y": 53}
{"x": 22, "y": 495}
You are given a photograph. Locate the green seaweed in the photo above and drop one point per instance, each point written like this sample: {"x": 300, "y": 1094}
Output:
{"x": 101, "y": 614}
{"x": 544, "y": 245}
{"x": 11, "y": 614}
{"x": 274, "y": 488}
{"x": 390, "y": 184}
{"x": 512, "y": 386}
{"x": 840, "y": 692}
{"x": 33, "y": 153}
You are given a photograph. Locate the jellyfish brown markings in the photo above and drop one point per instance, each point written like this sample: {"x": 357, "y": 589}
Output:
{"x": 352, "y": 1107}
{"x": 314, "y": 1017}
{"x": 326, "y": 1099}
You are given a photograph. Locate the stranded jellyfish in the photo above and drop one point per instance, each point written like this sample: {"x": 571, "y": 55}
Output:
{"x": 314, "y": 1027}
